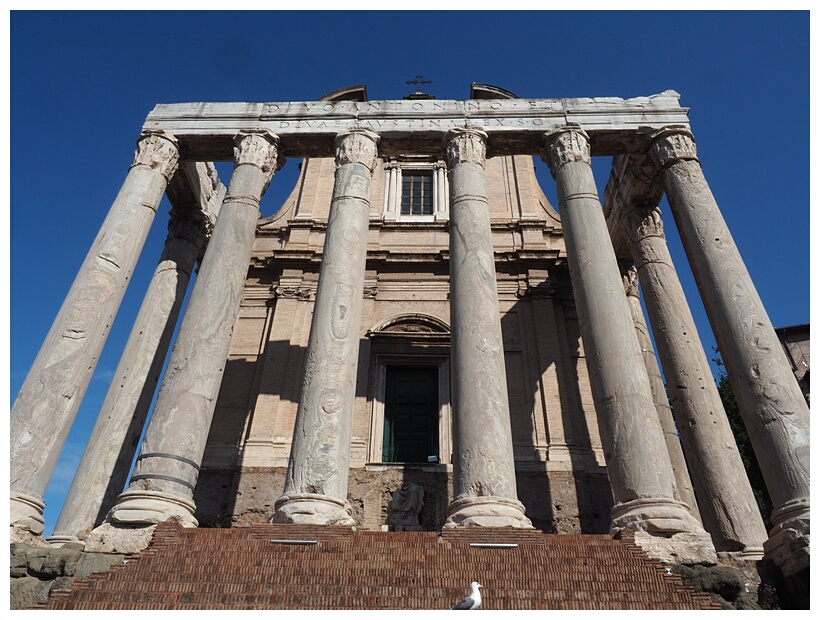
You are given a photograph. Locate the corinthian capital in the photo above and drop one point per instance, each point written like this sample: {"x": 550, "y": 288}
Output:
{"x": 357, "y": 146}
{"x": 188, "y": 224}
{"x": 159, "y": 150}
{"x": 629, "y": 276}
{"x": 259, "y": 148}
{"x": 642, "y": 222}
{"x": 465, "y": 144}
{"x": 565, "y": 145}
{"x": 670, "y": 145}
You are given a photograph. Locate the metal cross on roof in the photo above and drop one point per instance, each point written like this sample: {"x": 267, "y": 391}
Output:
{"x": 419, "y": 80}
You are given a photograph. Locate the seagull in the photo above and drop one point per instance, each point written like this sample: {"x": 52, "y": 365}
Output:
{"x": 473, "y": 601}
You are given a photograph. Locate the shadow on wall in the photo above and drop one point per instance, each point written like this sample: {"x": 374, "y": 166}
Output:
{"x": 567, "y": 501}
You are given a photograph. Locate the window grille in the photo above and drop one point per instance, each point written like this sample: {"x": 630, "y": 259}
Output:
{"x": 417, "y": 193}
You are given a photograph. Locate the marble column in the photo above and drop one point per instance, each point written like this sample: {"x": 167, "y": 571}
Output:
{"x": 638, "y": 464}
{"x": 316, "y": 484}
{"x": 164, "y": 477}
{"x": 103, "y": 469}
{"x": 773, "y": 408}
{"x": 51, "y": 394}
{"x": 683, "y": 483}
{"x": 484, "y": 467}
{"x": 736, "y": 526}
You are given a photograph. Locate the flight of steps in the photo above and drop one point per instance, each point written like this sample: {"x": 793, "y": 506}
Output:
{"x": 240, "y": 568}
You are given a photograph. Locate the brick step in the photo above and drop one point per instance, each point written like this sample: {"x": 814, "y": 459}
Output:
{"x": 242, "y": 569}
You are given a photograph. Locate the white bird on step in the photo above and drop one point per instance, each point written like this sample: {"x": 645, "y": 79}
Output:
{"x": 473, "y": 601}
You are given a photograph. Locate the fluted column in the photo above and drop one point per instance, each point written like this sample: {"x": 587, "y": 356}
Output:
{"x": 316, "y": 484}
{"x": 103, "y": 469}
{"x": 637, "y": 462}
{"x": 47, "y": 403}
{"x": 773, "y": 408}
{"x": 735, "y": 526}
{"x": 484, "y": 468}
{"x": 166, "y": 471}
{"x": 683, "y": 483}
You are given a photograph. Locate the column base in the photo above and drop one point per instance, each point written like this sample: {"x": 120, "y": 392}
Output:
{"x": 312, "y": 509}
{"x": 788, "y": 543}
{"x": 142, "y": 507}
{"x": 487, "y": 512}
{"x": 665, "y": 530}
{"x": 59, "y": 540}
{"x": 26, "y": 517}
{"x": 748, "y": 554}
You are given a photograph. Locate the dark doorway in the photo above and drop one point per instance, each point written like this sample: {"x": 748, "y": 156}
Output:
{"x": 410, "y": 415}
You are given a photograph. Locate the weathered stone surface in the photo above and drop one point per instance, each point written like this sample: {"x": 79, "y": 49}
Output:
{"x": 108, "y": 538}
{"x": 774, "y": 410}
{"x": 28, "y": 591}
{"x": 316, "y": 485}
{"x": 725, "y": 583}
{"x": 51, "y": 394}
{"x": 36, "y": 571}
{"x": 683, "y": 484}
{"x": 404, "y": 508}
{"x": 484, "y": 466}
{"x": 679, "y": 548}
{"x": 309, "y": 127}
{"x": 637, "y": 461}
{"x": 103, "y": 470}
{"x": 704, "y": 429}
{"x": 97, "y": 562}
{"x": 165, "y": 473}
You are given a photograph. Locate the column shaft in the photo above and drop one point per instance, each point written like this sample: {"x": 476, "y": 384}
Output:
{"x": 317, "y": 478}
{"x": 683, "y": 483}
{"x": 484, "y": 467}
{"x": 705, "y": 432}
{"x": 637, "y": 462}
{"x": 47, "y": 403}
{"x": 165, "y": 475}
{"x": 773, "y": 408}
{"x": 104, "y": 467}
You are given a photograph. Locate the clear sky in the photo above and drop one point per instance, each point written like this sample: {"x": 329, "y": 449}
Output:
{"x": 82, "y": 84}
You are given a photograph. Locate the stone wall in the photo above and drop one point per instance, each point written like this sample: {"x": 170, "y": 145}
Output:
{"x": 37, "y": 571}
{"x": 560, "y": 502}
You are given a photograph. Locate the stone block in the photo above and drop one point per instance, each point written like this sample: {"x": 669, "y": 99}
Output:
{"x": 95, "y": 563}
{"x": 28, "y": 591}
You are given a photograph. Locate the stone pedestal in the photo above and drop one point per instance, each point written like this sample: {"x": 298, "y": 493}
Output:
{"x": 316, "y": 484}
{"x": 637, "y": 461}
{"x": 484, "y": 468}
{"x": 736, "y": 525}
{"x": 47, "y": 403}
{"x": 773, "y": 408}
{"x": 166, "y": 471}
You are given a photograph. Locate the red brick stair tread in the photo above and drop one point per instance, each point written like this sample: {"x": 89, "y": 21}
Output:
{"x": 240, "y": 568}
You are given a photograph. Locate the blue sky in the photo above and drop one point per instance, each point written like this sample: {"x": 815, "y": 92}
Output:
{"x": 82, "y": 83}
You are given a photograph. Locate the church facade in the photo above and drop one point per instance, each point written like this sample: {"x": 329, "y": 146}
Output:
{"x": 417, "y": 339}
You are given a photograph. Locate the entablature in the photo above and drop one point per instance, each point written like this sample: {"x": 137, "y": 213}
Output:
{"x": 515, "y": 126}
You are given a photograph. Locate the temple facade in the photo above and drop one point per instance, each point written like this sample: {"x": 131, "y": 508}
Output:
{"x": 417, "y": 339}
